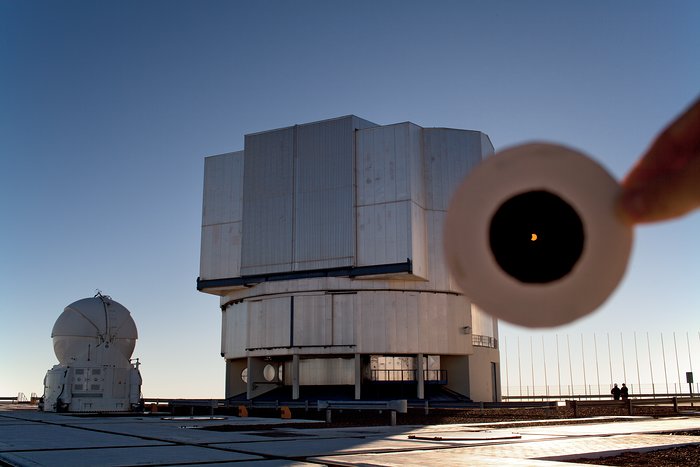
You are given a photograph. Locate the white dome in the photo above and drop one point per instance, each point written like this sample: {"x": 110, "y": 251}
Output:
{"x": 92, "y": 322}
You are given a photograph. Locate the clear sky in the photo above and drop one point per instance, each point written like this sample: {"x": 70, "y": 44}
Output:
{"x": 107, "y": 110}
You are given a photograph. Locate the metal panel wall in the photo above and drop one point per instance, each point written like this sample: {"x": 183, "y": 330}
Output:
{"x": 389, "y": 164}
{"x": 313, "y": 320}
{"x": 223, "y": 188}
{"x": 343, "y": 319}
{"x": 384, "y": 233}
{"x": 438, "y": 274}
{"x": 220, "y": 254}
{"x": 268, "y": 202}
{"x": 323, "y": 195}
{"x": 390, "y": 195}
{"x": 235, "y": 330}
{"x": 449, "y": 155}
{"x": 222, "y": 214}
{"x": 299, "y": 199}
{"x": 483, "y": 324}
{"x": 383, "y": 170}
{"x": 269, "y": 323}
{"x": 419, "y": 242}
{"x": 412, "y": 323}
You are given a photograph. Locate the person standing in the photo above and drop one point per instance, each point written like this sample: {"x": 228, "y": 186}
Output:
{"x": 624, "y": 392}
{"x": 615, "y": 391}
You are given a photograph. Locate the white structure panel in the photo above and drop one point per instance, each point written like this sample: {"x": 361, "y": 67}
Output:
{"x": 449, "y": 155}
{"x": 392, "y": 233}
{"x": 483, "y": 324}
{"x": 438, "y": 274}
{"x": 222, "y": 215}
{"x": 324, "y": 235}
{"x": 268, "y": 194}
{"x": 235, "y": 330}
{"x": 323, "y": 195}
{"x": 481, "y": 374}
{"x": 390, "y": 196}
{"x": 389, "y": 164}
{"x": 384, "y": 322}
{"x": 384, "y": 233}
{"x": 223, "y": 188}
{"x": 269, "y": 323}
{"x": 319, "y": 320}
{"x": 406, "y": 322}
{"x": 221, "y": 251}
{"x": 343, "y": 319}
{"x": 419, "y": 242}
{"x": 313, "y": 320}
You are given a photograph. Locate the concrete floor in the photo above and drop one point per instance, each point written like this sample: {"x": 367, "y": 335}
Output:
{"x": 31, "y": 438}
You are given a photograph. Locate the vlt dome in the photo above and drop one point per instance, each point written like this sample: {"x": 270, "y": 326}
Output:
{"x": 93, "y": 340}
{"x": 324, "y": 243}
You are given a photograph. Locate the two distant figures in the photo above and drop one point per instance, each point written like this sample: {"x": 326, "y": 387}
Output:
{"x": 618, "y": 393}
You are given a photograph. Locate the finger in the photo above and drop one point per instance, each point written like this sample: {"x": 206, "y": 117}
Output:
{"x": 671, "y": 151}
{"x": 670, "y": 195}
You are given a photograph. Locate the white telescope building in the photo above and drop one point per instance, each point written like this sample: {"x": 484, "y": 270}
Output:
{"x": 324, "y": 242}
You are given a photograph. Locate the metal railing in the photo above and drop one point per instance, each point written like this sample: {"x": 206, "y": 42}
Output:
{"x": 484, "y": 341}
{"x": 393, "y": 375}
{"x": 409, "y": 375}
{"x": 21, "y": 398}
{"x": 439, "y": 376}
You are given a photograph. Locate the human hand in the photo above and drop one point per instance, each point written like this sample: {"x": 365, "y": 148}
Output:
{"x": 665, "y": 182}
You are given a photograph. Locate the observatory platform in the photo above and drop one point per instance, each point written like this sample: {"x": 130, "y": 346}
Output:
{"x": 31, "y": 438}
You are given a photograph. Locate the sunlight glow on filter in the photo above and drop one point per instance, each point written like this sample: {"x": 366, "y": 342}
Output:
{"x": 534, "y": 237}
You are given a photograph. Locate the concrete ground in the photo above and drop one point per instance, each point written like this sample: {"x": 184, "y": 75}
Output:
{"x": 31, "y": 438}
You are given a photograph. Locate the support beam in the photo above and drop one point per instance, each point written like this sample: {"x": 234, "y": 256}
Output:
{"x": 234, "y": 382}
{"x": 420, "y": 379}
{"x": 295, "y": 377}
{"x": 358, "y": 377}
{"x": 249, "y": 384}
{"x": 257, "y": 385}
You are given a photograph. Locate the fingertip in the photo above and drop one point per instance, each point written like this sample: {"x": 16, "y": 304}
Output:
{"x": 632, "y": 207}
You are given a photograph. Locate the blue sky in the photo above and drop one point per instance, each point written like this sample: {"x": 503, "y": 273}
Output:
{"x": 109, "y": 108}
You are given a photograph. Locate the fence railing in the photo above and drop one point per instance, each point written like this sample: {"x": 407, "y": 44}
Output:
{"x": 409, "y": 375}
{"x": 678, "y": 403}
{"x": 594, "y": 391}
{"x": 21, "y": 398}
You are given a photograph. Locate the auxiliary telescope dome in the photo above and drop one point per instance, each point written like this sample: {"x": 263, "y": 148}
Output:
{"x": 90, "y": 323}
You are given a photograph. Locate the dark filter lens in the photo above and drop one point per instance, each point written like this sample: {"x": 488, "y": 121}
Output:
{"x": 536, "y": 237}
